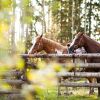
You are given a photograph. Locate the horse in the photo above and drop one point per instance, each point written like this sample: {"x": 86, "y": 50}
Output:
{"x": 90, "y": 46}
{"x": 49, "y": 46}
{"x": 41, "y": 43}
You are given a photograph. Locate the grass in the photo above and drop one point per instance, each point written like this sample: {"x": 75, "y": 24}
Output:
{"x": 78, "y": 94}
{"x": 3, "y": 97}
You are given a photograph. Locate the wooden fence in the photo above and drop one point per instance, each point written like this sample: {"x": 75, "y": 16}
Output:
{"x": 89, "y": 55}
{"x": 73, "y": 74}
{"x": 60, "y": 74}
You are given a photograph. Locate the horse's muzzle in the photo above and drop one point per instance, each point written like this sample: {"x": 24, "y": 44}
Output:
{"x": 71, "y": 50}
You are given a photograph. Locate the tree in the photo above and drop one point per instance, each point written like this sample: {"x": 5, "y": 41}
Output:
{"x": 67, "y": 17}
{"x": 91, "y": 17}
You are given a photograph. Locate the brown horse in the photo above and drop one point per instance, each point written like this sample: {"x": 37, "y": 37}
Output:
{"x": 41, "y": 43}
{"x": 90, "y": 46}
{"x": 49, "y": 46}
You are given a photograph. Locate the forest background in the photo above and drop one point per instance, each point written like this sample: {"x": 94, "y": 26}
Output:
{"x": 56, "y": 19}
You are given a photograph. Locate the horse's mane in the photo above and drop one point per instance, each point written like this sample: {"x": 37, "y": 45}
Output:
{"x": 53, "y": 43}
{"x": 92, "y": 40}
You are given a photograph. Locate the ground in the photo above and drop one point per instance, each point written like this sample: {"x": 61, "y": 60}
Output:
{"x": 77, "y": 94}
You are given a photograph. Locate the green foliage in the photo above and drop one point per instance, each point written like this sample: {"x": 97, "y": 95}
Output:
{"x": 56, "y": 5}
{"x": 5, "y": 4}
{"x": 66, "y": 18}
{"x": 91, "y": 15}
{"x": 26, "y": 2}
{"x": 27, "y": 11}
{"x": 5, "y": 8}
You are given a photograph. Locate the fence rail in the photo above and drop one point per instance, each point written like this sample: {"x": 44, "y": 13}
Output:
{"x": 81, "y": 65}
{"x": 89, "y": 55}
{"x": 9, "y": 91}
{"x": 13, "y": 82}
{"x": 79, "y": 74}
{"x": 11, "y": 73}
{"x": 74, "y": 84}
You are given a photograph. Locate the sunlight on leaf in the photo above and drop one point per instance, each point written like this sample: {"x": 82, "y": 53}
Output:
{"x": 28, "y": 92}
{"x": 45, "y": 77}
{"x": 3, "y": 69}
{"x": 3, "y": 27}
{"x": 20, "y": 48}
{"x": 57, "y": 67}
{"x": 6, "y": 3}
{"x": 69, "y": 67}
{"x": 4, "y": 86}
{"x": 41, "y": 64}
{"x": 19, "y": 63}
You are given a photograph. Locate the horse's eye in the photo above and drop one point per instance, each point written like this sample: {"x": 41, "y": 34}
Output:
{"x": 37, "y": 44}
{"x": 77, "y": 39}
{"x": 75, "y": 46}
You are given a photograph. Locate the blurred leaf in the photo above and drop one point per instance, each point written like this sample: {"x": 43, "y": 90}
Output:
{"x": 28, "y": 92}
{"x": 25, "y": 3}
{"x": 3, "y": 27}
{"x": 38, "y": 90}
{"x": 27, "y": 19}
{"x": 3, "y": 69}
{"x": 5, "y": 4}
{"x": 4, "y": 86}
{"x": 41, "y": 64}
{"x": 57, "y": 67}
{"x": 20, "y": 48}
{"x": 69, "y": 67}
{"x": 19, "y": 63}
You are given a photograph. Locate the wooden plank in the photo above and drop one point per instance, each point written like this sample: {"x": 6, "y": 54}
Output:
{"x": 81, "y": 65}
{"x": 9, "y": 91}
{"x": 73, "y": 84}
{"x": 86, "y": 55}
{"x": 11, "y": 73}
{"x": 9, "y": 81}
{"x": 78, "y": 74}
{"x": 76, "y": 65}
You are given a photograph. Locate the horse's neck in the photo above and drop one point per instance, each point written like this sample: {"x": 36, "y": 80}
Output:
{"x": 50, "y": 46}
{"x": 91, "y": 46}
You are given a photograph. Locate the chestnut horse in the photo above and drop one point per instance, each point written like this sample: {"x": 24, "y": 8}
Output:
{"x": 49, "y": 46}
{"x": 90, "y": 46}
{"x": 41, "y": 43}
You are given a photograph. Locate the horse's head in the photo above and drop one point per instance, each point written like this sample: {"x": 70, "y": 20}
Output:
{"x": 77, "y": 42}
{"x": 37, "y": 45}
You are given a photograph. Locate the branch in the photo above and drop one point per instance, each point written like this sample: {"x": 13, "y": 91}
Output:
{"x": 39, "y": 3}
{"x": 35, "y": 29}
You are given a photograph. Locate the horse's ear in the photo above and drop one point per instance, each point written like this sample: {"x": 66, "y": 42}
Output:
{"x": 40, "y": 36}
{"x": 81, "y": 33}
